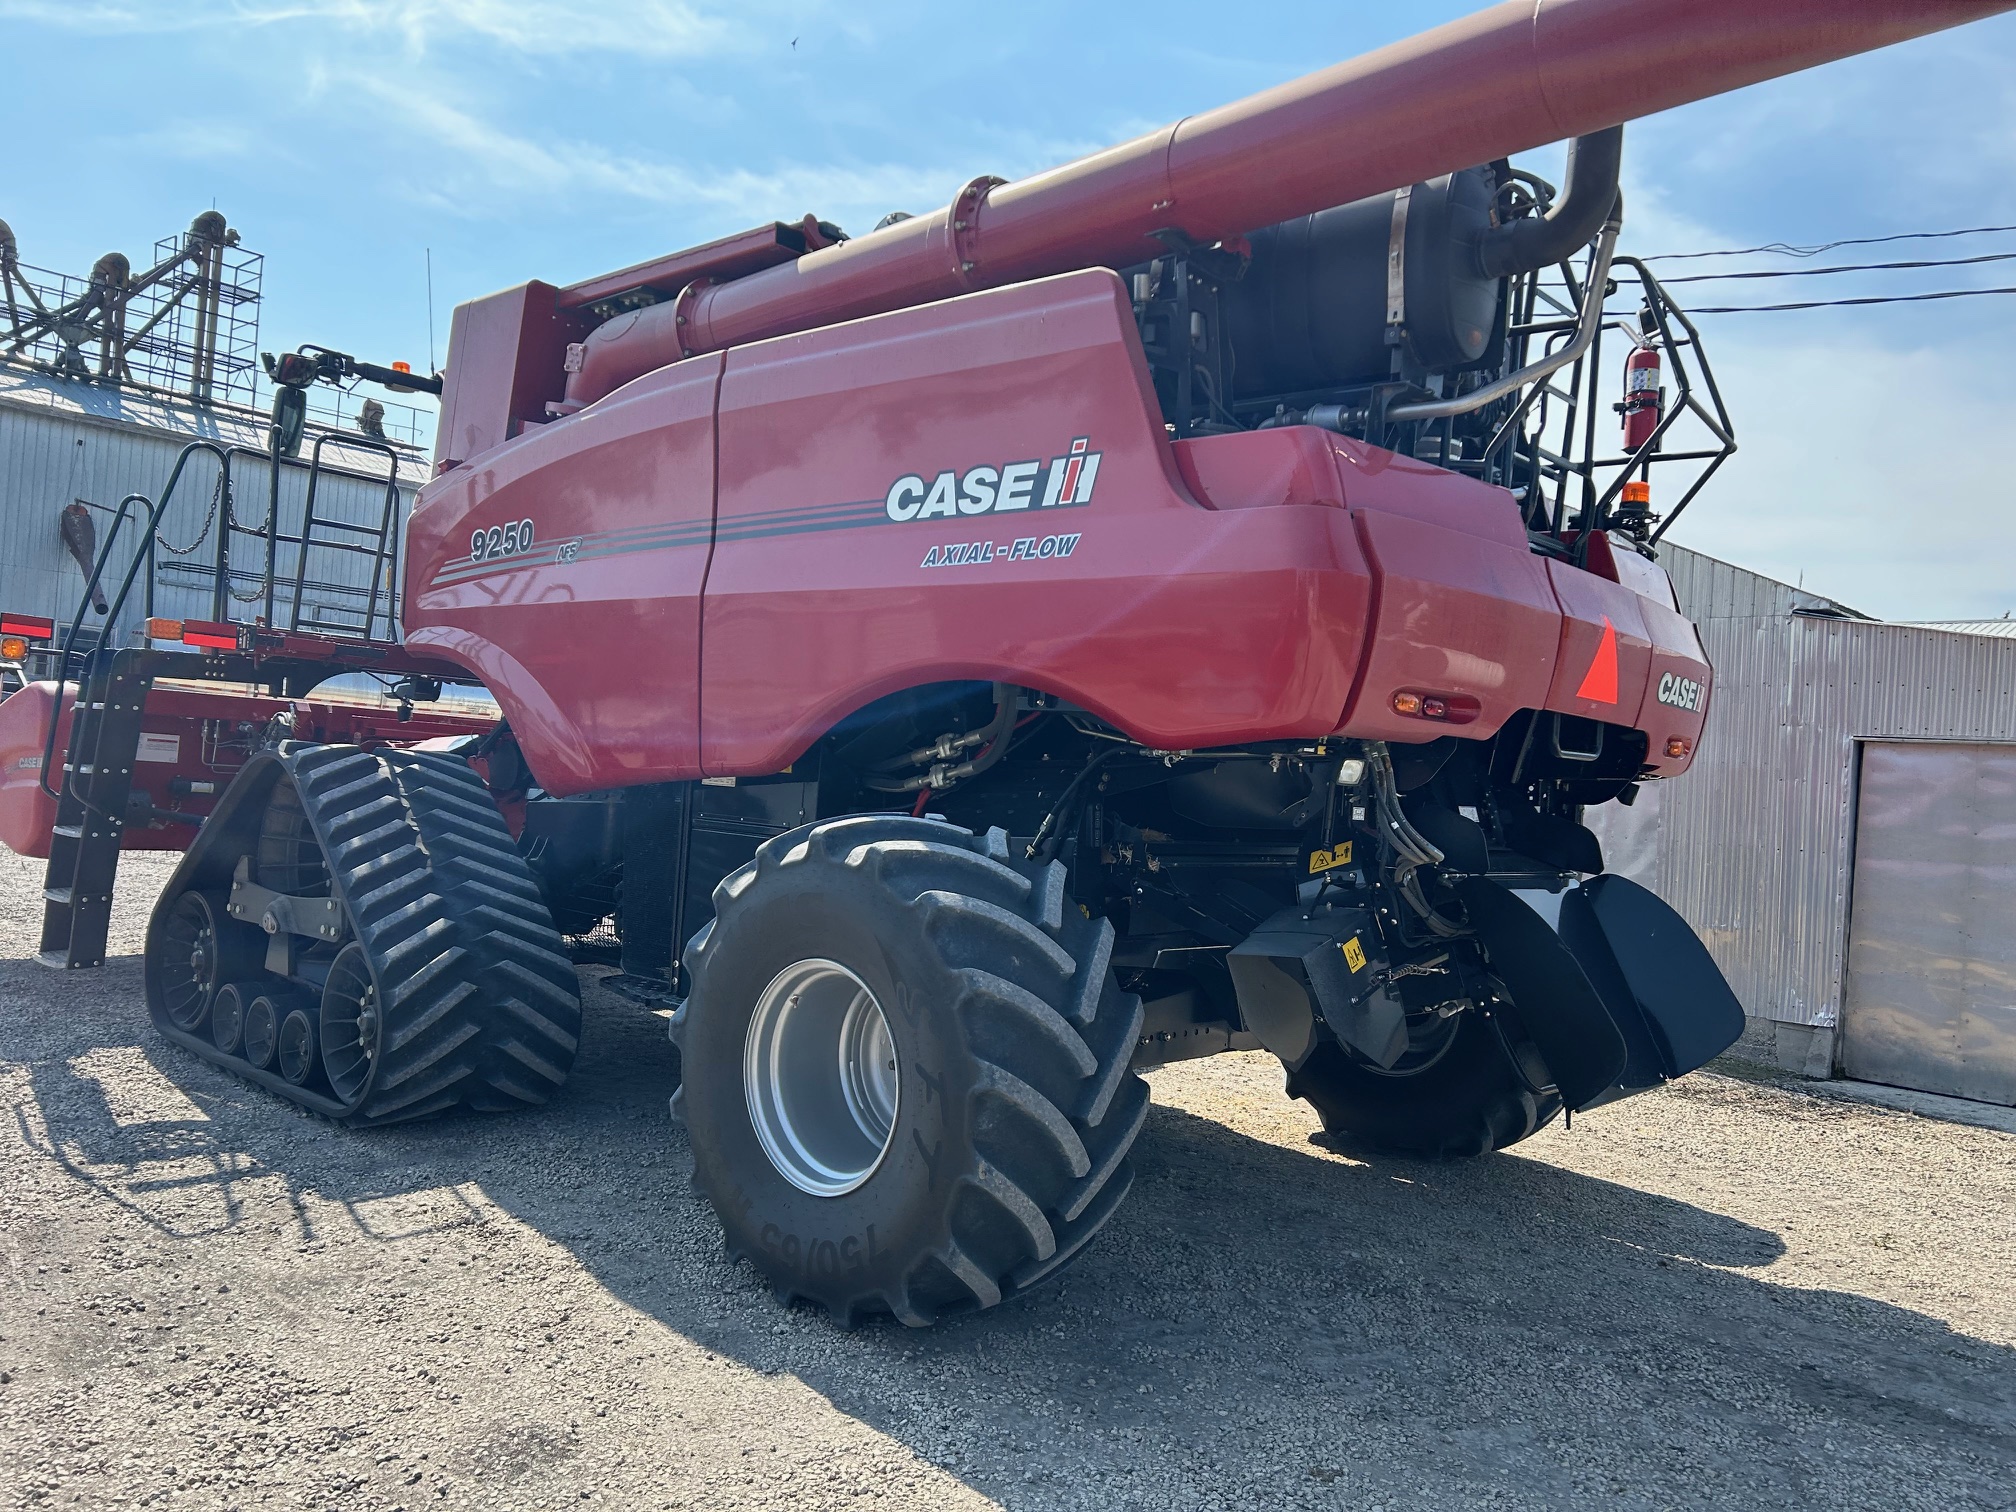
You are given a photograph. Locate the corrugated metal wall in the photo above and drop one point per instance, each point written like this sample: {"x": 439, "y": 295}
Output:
{"x": 1755, "y": 844}
{"x": 52, "y": 453}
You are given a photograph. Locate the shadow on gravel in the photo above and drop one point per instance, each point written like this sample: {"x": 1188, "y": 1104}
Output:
{"x": 1367, "y": 1323}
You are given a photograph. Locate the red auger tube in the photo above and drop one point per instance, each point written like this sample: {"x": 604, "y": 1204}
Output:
{"x": 1507, "y": 79}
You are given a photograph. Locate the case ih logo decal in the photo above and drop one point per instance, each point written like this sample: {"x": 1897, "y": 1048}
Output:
{"x": 1680, "y": 692}
{"x": 1068, "y": 480}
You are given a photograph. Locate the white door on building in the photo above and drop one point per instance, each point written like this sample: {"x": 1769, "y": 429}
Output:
{"x": 1931, "y": 995}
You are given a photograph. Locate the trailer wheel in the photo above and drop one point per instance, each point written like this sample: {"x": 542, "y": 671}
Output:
{"x": 1465, "y": 1097}
{"x": 905, "y": 1068}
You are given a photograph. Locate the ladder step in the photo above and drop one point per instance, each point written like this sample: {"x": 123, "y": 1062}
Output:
{"x": 57, "y": 895}
{"x": 70, "y": 831}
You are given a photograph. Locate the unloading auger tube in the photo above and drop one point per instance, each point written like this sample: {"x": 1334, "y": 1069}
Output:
{"x": 356, "y": 931}
{"x": 1503, "y": 81}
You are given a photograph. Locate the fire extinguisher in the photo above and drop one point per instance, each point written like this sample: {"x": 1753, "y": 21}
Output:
{"x": 1641, "y": 405}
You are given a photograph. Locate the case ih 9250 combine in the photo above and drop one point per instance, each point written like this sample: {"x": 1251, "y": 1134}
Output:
{"x": 1132, "y": 613}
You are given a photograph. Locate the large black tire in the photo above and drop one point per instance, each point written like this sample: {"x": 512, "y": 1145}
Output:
{"x": 1016, "y": 1103}
{"x": 1470, "y": 1100}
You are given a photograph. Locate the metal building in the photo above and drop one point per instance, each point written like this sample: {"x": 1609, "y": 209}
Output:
{"x": 68, "y": 447}
{"x": 1846, "y": 843}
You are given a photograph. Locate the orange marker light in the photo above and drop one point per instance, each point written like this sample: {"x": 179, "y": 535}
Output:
{"x": 402, "y": 367}
{"x": 1678, "y": 747}
{"x": 1406, "y": 703}
{"x": 13, "y": 648}
{"x": 164, "y": 629}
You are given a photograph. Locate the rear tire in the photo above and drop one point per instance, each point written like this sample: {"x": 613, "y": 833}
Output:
{"x": 1469, "y": 1101}
{"x": 1009, "y": 1110}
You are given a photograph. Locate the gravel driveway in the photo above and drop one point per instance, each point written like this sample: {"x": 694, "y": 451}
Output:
{"x": 1729, "y": 1294}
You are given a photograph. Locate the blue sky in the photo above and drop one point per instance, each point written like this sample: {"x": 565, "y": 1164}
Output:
{"x": 559, "y": 138}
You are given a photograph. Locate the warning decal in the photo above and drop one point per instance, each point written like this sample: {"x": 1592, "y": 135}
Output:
{"x": 1599, "y": 684}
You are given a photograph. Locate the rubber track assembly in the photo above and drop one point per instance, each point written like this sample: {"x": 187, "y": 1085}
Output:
{"x": 466, "y": 997}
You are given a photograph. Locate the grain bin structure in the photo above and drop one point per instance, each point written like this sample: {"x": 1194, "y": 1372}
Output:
{"x": 105, "y": 379}
{"x": 1845, "y": 847}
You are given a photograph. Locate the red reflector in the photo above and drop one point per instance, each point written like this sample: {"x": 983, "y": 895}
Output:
{"x": 29, "y": 625}
{"x": 211, "y": 636}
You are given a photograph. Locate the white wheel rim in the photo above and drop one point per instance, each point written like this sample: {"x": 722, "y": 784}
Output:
{"x": 819, "y": 1070}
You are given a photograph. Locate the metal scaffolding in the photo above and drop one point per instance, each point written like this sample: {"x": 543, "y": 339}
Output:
{"x": 187, "y": 326}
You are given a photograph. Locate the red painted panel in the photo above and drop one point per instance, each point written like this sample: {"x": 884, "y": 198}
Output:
{"x": 1260, "y": 469}
{"x": 589, "y": 639}
{"x": 1457, "y": 614}
{"x": 505, "y": 356}
{"x": 1590, "y": 605}
{"x": 1184, "y": 626}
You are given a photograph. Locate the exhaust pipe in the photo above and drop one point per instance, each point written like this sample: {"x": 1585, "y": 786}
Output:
{"x": 1587, "y": 198}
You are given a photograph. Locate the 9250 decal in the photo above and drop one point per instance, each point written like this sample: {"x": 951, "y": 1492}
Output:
{"x": 500, "y": 540}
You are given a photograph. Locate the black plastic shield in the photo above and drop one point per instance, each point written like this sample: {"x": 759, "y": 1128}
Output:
{"x": 1561, "y": 1011}
{"x": 1643, "y": 958}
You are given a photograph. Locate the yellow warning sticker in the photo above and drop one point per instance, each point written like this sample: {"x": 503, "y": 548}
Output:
{"x": 1354, "y": 954}
{"x": 1329, "y": 860}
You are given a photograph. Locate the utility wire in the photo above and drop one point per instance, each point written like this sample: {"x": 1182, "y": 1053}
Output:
{"x": 1787, "y": 249}
{"x": 1945, "y": 262}
{"x": 1829, "y": 304}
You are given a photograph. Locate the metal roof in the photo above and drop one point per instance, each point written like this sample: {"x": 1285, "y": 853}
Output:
{"x": 2004, "y": 629}
{"x": 132, "y": 409}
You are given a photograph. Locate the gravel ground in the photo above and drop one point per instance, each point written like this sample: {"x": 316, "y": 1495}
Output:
{"x": 1726, "y": 1294}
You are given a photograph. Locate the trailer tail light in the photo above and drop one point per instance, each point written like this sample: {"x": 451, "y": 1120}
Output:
{"x": 1444, "y": 708}
{"x": 210, "y": 636}
{"x": 27, "y": 627}
{"x": 164, "y": 629}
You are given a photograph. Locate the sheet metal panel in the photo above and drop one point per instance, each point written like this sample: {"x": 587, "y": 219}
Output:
{"x": 1755, "y": 844}
{"x": 1931, "y": 991}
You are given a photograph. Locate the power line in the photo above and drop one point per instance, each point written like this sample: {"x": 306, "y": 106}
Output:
{"x": 1942, "y": 262}
{"x": 1787, "y": 249}
{"x": 1829, "y": 304}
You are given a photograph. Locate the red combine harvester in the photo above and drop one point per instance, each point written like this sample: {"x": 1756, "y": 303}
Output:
{"x": 1172, "y": 604}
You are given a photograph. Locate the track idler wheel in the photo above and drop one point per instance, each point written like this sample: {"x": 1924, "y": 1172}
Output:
{"x": 202, "y": 948}
{"x": 350, "y": 1022}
